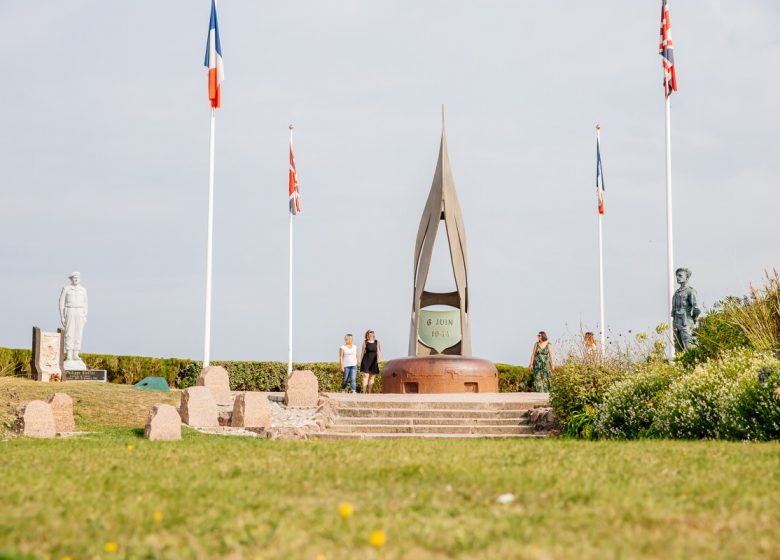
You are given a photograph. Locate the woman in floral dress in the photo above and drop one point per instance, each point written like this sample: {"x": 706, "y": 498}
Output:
{"x": 542, "y": 364}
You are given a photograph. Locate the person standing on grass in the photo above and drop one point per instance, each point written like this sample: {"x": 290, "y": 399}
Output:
{"x": 369, "y": 365}
{"x": 542, "y": 364}
{"x": 348, "y": 360}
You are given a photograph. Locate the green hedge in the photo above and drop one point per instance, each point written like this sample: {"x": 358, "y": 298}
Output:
{"x": 244, "y": 376}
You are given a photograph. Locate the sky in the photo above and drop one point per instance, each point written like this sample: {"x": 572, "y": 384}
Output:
{"x": 104, "y": 158}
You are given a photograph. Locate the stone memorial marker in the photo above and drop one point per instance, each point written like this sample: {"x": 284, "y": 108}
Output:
{"x": 251, "y": 410}
{"x": 302, "y": 389}
{"x": 198, "y": 408}
{"x": 35, "y": 419}
{"x": 217, "y": 380}
{"x": 440, "y": 358}
{"x": 47, "y": 355}
{"x": 62, "y": 409}
{"x": 86, "y": 375}
{"x": 164, "y": 424}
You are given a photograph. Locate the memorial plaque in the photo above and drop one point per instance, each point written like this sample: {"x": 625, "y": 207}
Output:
{"x": 86, "y": 375}
{"x": 47, "y": 355}
{"x": 440, "y": 329}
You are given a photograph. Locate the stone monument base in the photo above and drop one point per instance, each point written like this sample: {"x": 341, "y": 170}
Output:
{"x": 439, "y": 374}
{"x": 74, "y": 365}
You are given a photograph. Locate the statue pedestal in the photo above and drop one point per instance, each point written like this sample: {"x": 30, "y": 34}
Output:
{"x": 74, "y": 365}
{"x": 439, "y": 374}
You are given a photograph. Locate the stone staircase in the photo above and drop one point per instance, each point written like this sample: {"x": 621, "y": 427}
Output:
{"x": 500, "y": 415}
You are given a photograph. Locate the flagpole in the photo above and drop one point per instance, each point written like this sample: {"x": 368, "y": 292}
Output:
{"x": 209, "y": 236}
{"x": 601, "y": 262}
{"x": 290, "y": 286}
{"x": 669, "y": 233}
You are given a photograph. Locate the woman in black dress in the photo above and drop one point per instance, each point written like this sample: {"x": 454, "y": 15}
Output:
{"x": 369, "y": 365}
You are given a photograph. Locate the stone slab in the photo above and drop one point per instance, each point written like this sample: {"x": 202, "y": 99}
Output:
{"x": 62, "y": 409}
{"x": 35, "y": 419}
{"x": 163, "y": 424}
{"x": 251, "y": 410}
{"x": 217, "y": 380}
{"x": 198, "y": 408}
{"x": 47, "y": 355}
{"x": 302, "y": 389}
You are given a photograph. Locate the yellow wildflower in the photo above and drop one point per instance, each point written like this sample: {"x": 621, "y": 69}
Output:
{"x": 345, "y": 510}
{"x": 377, "y": 539}
{"x": 158, "y": 516}
{"x": 111, "y": 547}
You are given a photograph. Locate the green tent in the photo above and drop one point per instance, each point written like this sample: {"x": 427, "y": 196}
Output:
{"x": 152, "y": 384}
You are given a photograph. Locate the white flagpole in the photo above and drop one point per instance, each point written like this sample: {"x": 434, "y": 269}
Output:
{"x": 669, "y": 233}
{"x": 601, "y": 262}
{"x": 290, "y": 287}
{"x": 209, "y": 236}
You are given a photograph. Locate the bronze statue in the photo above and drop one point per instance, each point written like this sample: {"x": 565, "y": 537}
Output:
{"x": 685, "y": 311}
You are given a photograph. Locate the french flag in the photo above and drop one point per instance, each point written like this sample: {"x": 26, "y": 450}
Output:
{"x": 599, "y": 177}
{"x": 214, "y": 58}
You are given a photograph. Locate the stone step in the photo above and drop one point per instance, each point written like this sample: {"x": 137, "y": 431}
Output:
{"x": 359, "y": 435}
{"x": 364, "y": 412}
{"x": 344, "y": 404}
{"x": 437, "y": 421}
{"x": 431, "y": 429}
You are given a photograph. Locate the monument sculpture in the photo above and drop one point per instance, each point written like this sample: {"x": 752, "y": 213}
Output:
{"x": 73, "y": 316}
{"x": 440, "y": 340}
{"x": 685, "y": 310}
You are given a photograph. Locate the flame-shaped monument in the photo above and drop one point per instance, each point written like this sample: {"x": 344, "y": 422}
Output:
{"x": 440, "y": 340}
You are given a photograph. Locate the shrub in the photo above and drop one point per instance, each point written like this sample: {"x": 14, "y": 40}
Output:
{"x": 580, "y": 384}
{"x": 628, "y": 408}
{"x": 15, "y": 362}
{"x": 576, "y": 389}
{"x": 759, "y": 317}
{"x": 752, "y": 411}
{"x": 513, "y": 379}
{"x": 716, "y": 332}
{"x": 244, "y": 376}
{"x": 702, "y": 403}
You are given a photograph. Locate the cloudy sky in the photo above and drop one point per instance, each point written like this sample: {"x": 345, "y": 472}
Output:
{"x": 104, "y": 144}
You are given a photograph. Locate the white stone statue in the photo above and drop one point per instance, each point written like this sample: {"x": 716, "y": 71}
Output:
{"x": 73, "y": 315}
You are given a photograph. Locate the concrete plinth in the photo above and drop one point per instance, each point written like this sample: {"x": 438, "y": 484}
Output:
{"x": 439, "y": 374}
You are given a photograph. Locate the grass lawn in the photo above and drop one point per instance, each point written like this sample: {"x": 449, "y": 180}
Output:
{"x": 247, "y": 498}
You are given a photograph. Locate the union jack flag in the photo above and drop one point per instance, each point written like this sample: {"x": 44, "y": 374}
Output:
{"x": 666, "y": 50}
{"x": 295, "y": 200}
